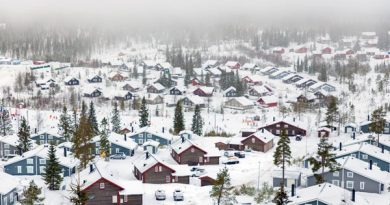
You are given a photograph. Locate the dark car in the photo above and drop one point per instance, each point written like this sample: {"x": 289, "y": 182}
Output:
{"x": 239, "y": 154}
{"x": 298, "y": 138}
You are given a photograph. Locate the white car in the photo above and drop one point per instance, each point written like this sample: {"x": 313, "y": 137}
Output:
{"x": 160, "y": 194}
{"x": 231, "y": 160}
{"x": 197, "y": 171}
{"x": 178, "y": 195}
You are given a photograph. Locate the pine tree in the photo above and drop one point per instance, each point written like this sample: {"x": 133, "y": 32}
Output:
{"x": 24, "y": 136}
{"x": 143, "y": 114}
{"x": 282, "y": 157}
{"x": 332, "y": 111}
{"x": 92, "y": 119}
{"x": 116, "y": 120}
{"x": 30, "y": 196}
{"x": 326, "y": 160}
{"x": 208, "y": 80}
{"x": 52, "y": 175}
{"x": 77, "y": 196}
{"x": 82, "y": 146}
{"x": 222, "y": 189}
{"x": 178, "y": 121}
{"x": 144, "y": 80}
{"x": 104, "y": 143}
{"x": 197, "y": 121}
{"x": 378, "y": 122}
{"x": 5, "y": 123}
{"x": 75, "y": 121}
{"x": 65, "y": 124}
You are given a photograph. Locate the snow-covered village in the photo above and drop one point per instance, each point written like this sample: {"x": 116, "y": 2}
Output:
{"x": 222, "y": 108}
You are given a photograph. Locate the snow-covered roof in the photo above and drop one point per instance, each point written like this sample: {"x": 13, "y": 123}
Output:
{"x": 326, "y": 193}
{"x": 249, "y": 66}
{"x": 269, "y": 99}
{"x": 93, "y": 76}
{"x": 114, "y": 73}
{"x": 153, "y": 131}
{"x": 195, "y": 99}
{"x": 290, "y": 172}
{"x": 165, "y": 65}
{"x": 133, "y": 84}
{"x": 229, "y": 89}
{"x": 12, "y": 140}
{"x": 207, "y": 90}
{"x": 144, "y": 164}
{"x": 215, "y": 71}
{"x": 118, "y": 139}
{"x": 149, "y": 63}
{"x": 231, "y": 63}
{"x": 369, "y": 33}
{"x": 8, "y": 183}
{"x": 262, "y": 135}
{"x": 69, "y": 78}
{"x": 90, "y": 89}
{"x": 210, "y": 63}
{"x": 180, "y": 146}
{"x": 42, "y": 151}
{"x": 243, "y": 101}
{"x": 286, "y": 120}
{"x": 151, "y": 143}
{"x": 260, "y": 89}
{"x": 158, "y": 86}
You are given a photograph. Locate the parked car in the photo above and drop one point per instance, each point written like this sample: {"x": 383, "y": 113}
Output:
{"x": 119, "y": 155}
{"x": 160, "y": 194}
{"x": 197, "y": 171}
{"x": 178, "y": 195}
{"x": 229, "y": 153}
{"x": 239, "y": 154}
{"x": 298, "y": 137}
{"x": 231, "y": 160}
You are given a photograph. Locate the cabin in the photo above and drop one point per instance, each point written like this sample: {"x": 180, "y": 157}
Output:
{"x": 33, "y": 162}
{"x": 123, "y": 95}
{"x": 191, "y": 101}
{"x": 185, "y": 151}
{"x": 118, "y": 144}
{"x": 292, "y": 128}
{"x": 206, "y": 180}
{"x": 269, "y": 70}
{"x": 151, "y": 146}
{"x": 292, "y": 79}
{"x": 355, "y": 174}
{"x": 154, "y": 99}
{"x": 301, "y": 50}
{"x": 153, "y": 170}
{"x": 323, "y": 132}
{"x": 278, "y": 50}
{"x": 9, "y": 146}
{"x": 196, "y": 82}
{"x": 292, "y": 176}
{"x": 117, "y": 76}
{"x": 279, "y": 75}
{"x": 350, "y": 128}
{"x": 268, "y": 101}
{"x": 233, "y": 64}
{"x": 9, "y": 189}
{"x": 230, "y": 92}
{"x": 102, "y": 187}
{"x": 177, "y": 90}
{"x": 260, "y": 90}
{"x": 250, "y": 66}
{"x": 260, "y": 141}
{"x": 90, "y": 92}
{"x": 210, "y": 64}
{"x": 305, "y": 83}
{"x": 252, "y": 79}
{"x": 131, "y": 86}
{"x": 155, "y": 88}
{"x": 95, "y": 79}
{"x": 47, "y": 137}
{"x": 204, "y": 91}
{"x": 239, "y": 103}
{"x": 308, "y": 98}
{"x": 326, "y": 50}
{"x": 71, "y": 81}
{"x": 147, "y": 133}
{"x": 365, "y": 127}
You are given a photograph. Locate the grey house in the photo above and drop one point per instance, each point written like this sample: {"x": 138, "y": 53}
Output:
{"x": 46, "y": 137}
{"x": 356, "y": 174}
{"x": 118, "y": 144}
{"x": 147, "y": 133}
{"x": 8, "y": 189}
{"x": 33, "y": 162}
{"x": 8, "y": 146}
{"x": 292, "y": 176}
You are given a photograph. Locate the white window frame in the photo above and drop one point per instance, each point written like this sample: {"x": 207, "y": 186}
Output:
{"x": 336, "y": 173}
{"x": 160, "y": 168}
{"x": 353, "y": 155}
{"x": 30, "y": 169}
{"x": 125, "y": 198}
{"x": 285, "y": 126}
{"x": 42, "y": 169}
{"x": 30, "y": 161}
{"x": 336, "y": 182}
{"x": 349, "y": 184}
{"x": 361, "y": 185}
{"x": 167, "y": 179}
{"x": 42, "y": 161}
{"x": 5, "y": 199}
{"x": 364, "y": 156}
{"x": 6, "y": 146}
{"x": 102, "y": 185}
{"x": 6, "y": 152}
{"x": 116, "y": 150}
{"x": 156, "y": 169}
{"x": 192, "y": 149}
{"x": 253, "y": 140}
{"x": 200, "y": 159}
{"x": 277, "y": 131}
{"x": 350, "y": 174}
{"x": 11, "y": 197}
{"x": 115, "y": 199}
{"x": 141, "y": 141}
{"x": 19, "y": 169}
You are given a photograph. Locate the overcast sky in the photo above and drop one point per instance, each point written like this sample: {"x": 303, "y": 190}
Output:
{"x": 154, "y": 13}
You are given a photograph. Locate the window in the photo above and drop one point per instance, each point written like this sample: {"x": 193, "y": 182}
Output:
{"x": 364, "y": 156}
{"x": 350, "y": 174}
{"x": 149, "y": 136}
{"x": 101, "y": 185}
{"x": 168, "y": 179}
{"x": 336, "y": 174}
{"x": 6, "y": 152}
{"x": 11, "y": 197}
{"x": 285, "y": 126}
{"x": 117, "y": 150}
{"x": 125, "y": 198}
{"x": 6, "y": 146}
{"x": 192, "y": 149}
{"x": 156, "y": 169}
{"x": 277, "y": 125}
{"x": 5, "y": 200}
{"x": 19, "y": 169}
{"x": 30, "y": 169}
{"x": 97, "y": 144}
{"x": 160, "y": 168}
{"x": 50, "y": 137}
{"x": 200, "y": 159}
{"x": 30, "y": 161}
{"x": 349, "y": 184}
{"x": 277, "y": 132}
{"x": 336, "y": 182}
{"x": 353, "y": 155}
{"x": 42, "y": 169}
{"x": 41, "y": 142}
{"x": 42, "y": 161}
{"x": 140, "y": 136}
{"x": 114, "y": 199}
{"x": 362, "y": 185}
{"x": 253, "y": 140}
{"x": 293, "y": 132}
{"x": 140, "y": 141}
{"x": 41, "y": 137}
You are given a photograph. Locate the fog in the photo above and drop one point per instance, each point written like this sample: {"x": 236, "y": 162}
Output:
{"x": 195, "y": 14}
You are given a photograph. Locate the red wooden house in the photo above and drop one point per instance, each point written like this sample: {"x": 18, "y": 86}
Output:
{"x": 187, "y": 152}
{"x": 301, "y": 50}
{"x": 326, "y": 50}
{"x": 291, "y": 127}
{"x": 268, "y": 101}
{"x": 196, "y": 82}
{"x": 204, "y": 91}
{"x": 233, "y": 64}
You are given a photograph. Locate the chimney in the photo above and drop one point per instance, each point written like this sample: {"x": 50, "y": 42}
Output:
{"x": 273, "y": 118}
{"x": 293, "y": 119}
{"x": 383, "y": 149}
{"x": 340, "y": 146}
{"x": 292, "y": 190}
{"x": 368, "y": 117}
{"x": 124, "y": 137}
{"x": 182, "y": 139}
{"x": 132, "y": 129}
{"x": 262, "y": 130}
{"x": 147, "y": 155}
{"x": 353, "y": 135}
{"x": 370, "y": 164}
{"x": 35, "y": 130}
{"x": 65, "y": 153}
{"x": 90, "y": 168}
{"x": 163, "y": 129}
{"x": 353, "y": 195}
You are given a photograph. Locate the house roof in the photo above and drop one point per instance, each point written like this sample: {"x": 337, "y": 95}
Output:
{"x": 90, "y": 89}
{"x": 12, "y": 140}
{"x": 269, "y": 99}
{"x": 158, "y": 86}
{"x": 69, "y": 78}
{"x": 229, "y": 89}
{"x": 260, "y": 89}
{"x": 153, "y": 131}
{"x": 8, "y": 183}
{"x": 133, "y": 84}
{"x": 231, "y": 63}
{"x": 145, "y": 164}
{"x": 93, "y": 76}
{"x": 195, "y": 99}
{"x": 285, "y": 120}
{"x": 151, "y": 143}
{"x": 179, "y": 147}
{"x": 207, "y": 90}
{"x": 118, "y": 139}
{"x": 249, "y": 66}
{"x": 326, "y": 193}
{"x": 262, "y": 135}
{"x": 149, "y": 63}
{"x": 290, "y": 173}
{"x": 242, "y": 101}
{"x": 42, "y": 151}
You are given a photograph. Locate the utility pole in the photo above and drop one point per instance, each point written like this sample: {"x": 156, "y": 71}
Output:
{"x": 258, "y": 179}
